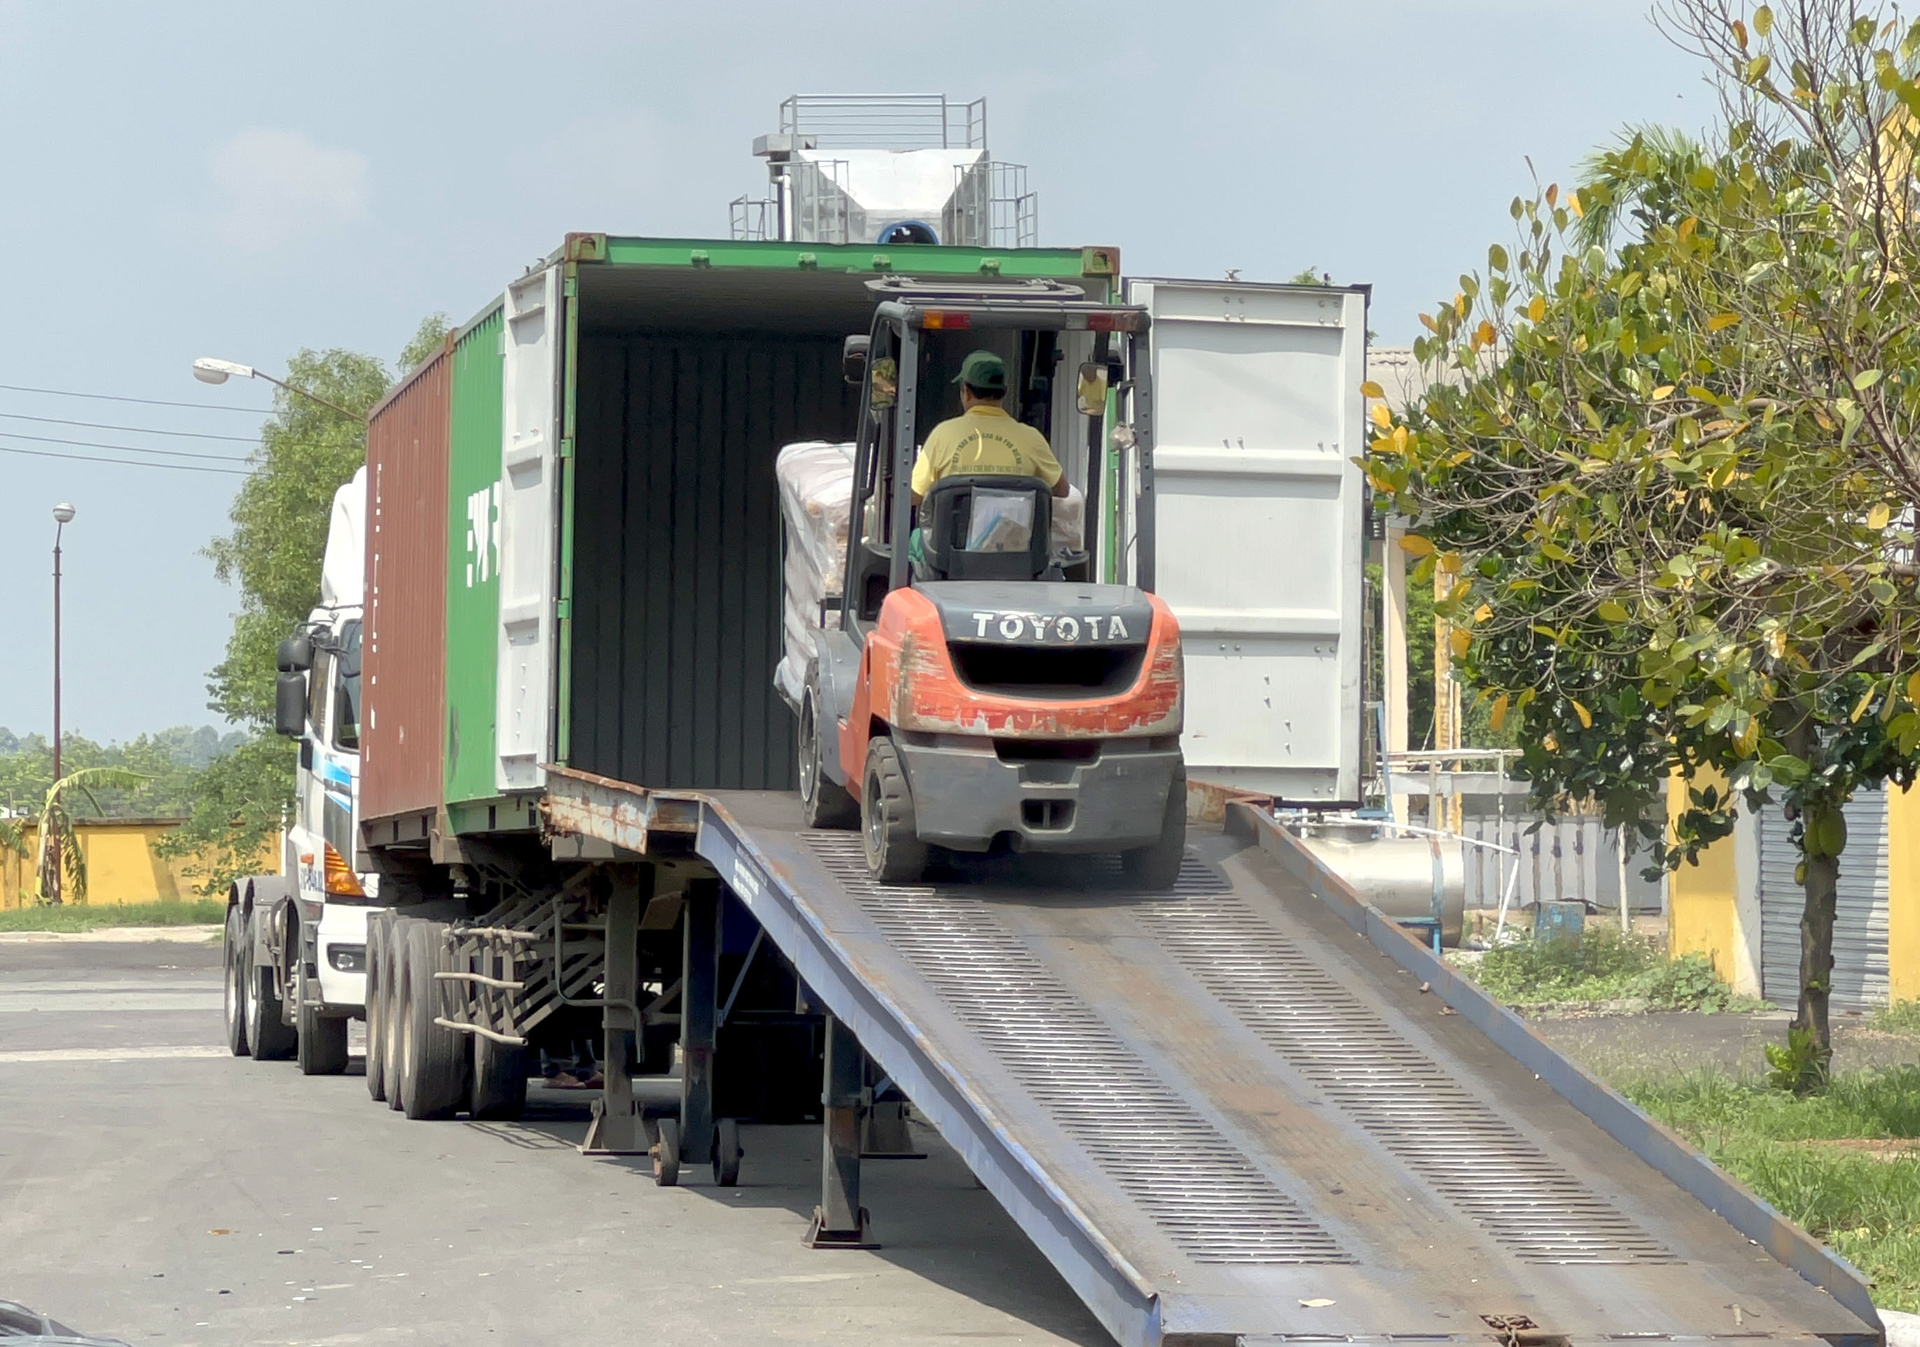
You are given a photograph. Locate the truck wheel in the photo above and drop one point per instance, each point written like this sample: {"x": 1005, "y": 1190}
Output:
{"x": 665, "y": 1152}
{"x": 1156, "y": 867}
{"x": 322, "y": 1048}
{"x": 499, "y": 1088}
{"x": 270, "y": 1037}
{"x": 234, "y": 998}
{"x": 376, "y": 1021}
{"x": 822, "y": 803}
{"x": 393, "y": 1029}
{"x": 726, "y": 1152}
{"x": 895, "y": 853}
{"x": 433, "y": 1079}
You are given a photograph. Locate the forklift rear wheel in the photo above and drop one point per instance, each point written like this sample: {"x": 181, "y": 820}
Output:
{"x": 822, "y": 803}
{"x": 895, "y": 853}
{"x": 1156, "y": 867}
{"x": 666, "y": 1154}
{"x": 726, "y": 1152}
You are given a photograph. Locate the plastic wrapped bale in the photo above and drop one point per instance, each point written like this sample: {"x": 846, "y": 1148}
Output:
{"x": 1068, "y": 534}
{"x": 816, "y": 495}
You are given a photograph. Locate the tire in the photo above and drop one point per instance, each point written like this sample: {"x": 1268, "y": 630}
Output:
{"x": 499, "y": 1081}
{"x": 392, "y": 1031}
{"x": 322, "y": 1042}
{"x": 726, "y": 1152}
{"x": 895, "y": 853}
{"x": 665, "y": 1152}
{"x": 822, "y": 803}
{"x": 270, "y": 1037}
{"x": 433, "y": 1078}
{"x": 376, "y": 1022}
{"x": 234, "y": 996}
{"x": 1156, "y": 867}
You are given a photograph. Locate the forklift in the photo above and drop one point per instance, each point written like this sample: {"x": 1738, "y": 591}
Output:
{"x": 982, "y": 692}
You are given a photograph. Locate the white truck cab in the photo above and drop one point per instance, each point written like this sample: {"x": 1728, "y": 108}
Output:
{"x": 297, "y": 941}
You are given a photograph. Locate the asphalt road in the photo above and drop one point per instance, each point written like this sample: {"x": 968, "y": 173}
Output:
{"x": 154, "y": 1189}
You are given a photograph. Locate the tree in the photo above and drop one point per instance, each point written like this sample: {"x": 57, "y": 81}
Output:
{"x": 60, "y": 867}
{"x": 273, "y": 554}
{"x": 1673, "y": 484}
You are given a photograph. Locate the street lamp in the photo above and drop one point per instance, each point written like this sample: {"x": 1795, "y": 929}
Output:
{"x": 62, "y": 516}
{"x": 209, "y": 370}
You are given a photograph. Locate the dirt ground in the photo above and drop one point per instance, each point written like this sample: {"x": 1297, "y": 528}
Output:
{"x": 1622, "y": 1046}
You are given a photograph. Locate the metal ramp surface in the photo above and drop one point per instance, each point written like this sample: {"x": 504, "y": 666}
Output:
{"x": 1252, "y": 1110}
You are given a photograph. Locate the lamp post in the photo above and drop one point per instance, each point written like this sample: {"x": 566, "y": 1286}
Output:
{"x": 209, "y": 370}
{"x": 62, "y": 516}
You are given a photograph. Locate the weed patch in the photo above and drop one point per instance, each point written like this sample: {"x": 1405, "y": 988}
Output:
{"x": 83, "y": 917}
{"x": 1604, "y": 965}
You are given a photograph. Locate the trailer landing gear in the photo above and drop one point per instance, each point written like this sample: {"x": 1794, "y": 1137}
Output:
{"x": 840, "y": 1222}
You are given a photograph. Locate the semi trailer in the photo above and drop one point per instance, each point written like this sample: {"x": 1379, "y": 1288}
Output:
{"x": 1229, "y": 1102}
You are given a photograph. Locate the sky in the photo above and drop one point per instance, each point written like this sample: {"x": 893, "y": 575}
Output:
{"x": 242, "y": 180}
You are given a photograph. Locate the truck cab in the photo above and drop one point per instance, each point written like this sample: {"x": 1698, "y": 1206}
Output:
{"x": 297, "y": 940}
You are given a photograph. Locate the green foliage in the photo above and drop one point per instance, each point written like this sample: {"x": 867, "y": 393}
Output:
{"x": 168, "y": 760}
{"x": 60, "y": 867}
{"x": 1798, "y": 1064}
{"x": 1773, "y": 1141}
{"x": 1663, "y": 467}
{"x": 1603, "y": 965}
{"x": 1902, "y": 1017}
{"x": 280, "y": 517}
{"x": 203, "y": 912}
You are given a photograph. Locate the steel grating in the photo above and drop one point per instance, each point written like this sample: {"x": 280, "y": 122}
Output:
{"x": 1194, "y": 1183}
{"x": 1402, "y": 1098}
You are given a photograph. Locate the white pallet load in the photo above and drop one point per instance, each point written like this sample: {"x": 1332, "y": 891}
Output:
{"x": 816, "y": 493}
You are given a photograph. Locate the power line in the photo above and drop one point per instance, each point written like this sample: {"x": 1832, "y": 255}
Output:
{"x": 122, "y": 462}
{"x": 137, "y": 430}
{"x": 123, "y": 448}
{"x": 146, "y": 402}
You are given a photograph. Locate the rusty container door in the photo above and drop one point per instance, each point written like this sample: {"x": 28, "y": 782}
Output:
{"x": 403, "y": 660}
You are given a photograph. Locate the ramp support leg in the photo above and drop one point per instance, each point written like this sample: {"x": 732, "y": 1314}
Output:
{"x": 840, "y": 1222}
{"x": 700, "y": 976}
{"x": 617, "y": 1127}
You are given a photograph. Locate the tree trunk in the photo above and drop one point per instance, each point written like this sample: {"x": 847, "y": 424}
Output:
{"x": 1816, "y": 966}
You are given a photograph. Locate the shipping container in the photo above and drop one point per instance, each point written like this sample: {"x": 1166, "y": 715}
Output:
{"x": 403, "y": 668}
{"x": 614, "y": 539}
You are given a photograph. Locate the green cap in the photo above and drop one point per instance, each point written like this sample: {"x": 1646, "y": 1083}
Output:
{"x": 983, "y": 372}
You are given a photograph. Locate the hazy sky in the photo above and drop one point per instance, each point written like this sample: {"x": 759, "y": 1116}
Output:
{"x": 245, "y": 179}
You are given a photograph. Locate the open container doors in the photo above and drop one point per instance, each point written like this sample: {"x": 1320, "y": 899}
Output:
{"x": 1260, "y": 517}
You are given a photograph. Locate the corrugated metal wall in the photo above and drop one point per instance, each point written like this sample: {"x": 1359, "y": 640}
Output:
{"x": 1860, "y": 967}
{"x": 676, "y": 607}
{"x": 473, "y": 560}
{"x": 403, "y": 668}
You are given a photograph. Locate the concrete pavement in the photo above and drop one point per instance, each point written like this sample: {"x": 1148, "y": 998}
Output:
{"x": 159, "y": 1191}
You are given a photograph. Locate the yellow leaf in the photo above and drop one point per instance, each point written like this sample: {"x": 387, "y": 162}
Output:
{"x": 1458, "y": 640}
{"x": 1370, "y": 389}
{"x": 1913, "y": 689}
{"x": 1483, "y": 612}
{"x": 1451, "y": 563}
{"x": 1688, "y": 225}
{"x": 1398, "y": 440}
{"x": 1381, "y": 416}
{"x": 1537, "y": 308}
{"x": 1551, "y": 744}
{"x": 1573, "y": 204}
{"x": 1426, "y": 321}
{"x": 1663, "y": 391}
{"x": 1586, "y": 716}
{"x": 1878, "y": 516}
{"x": 1498, "y": 716}
{"x": 1483, "y": 335}
{"x": 1459, "y": 305}
{"x": 1614, "y": 611}
{"x": 1720, "y": 320}
{"x": 1860, "y": 707}
{"x": 1414, "y": 545}
{"x": 1749, "y": 736}
{"x": 1777, "y": 643}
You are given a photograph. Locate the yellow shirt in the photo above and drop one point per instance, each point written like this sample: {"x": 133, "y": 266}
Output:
{"x": 983, "y": 439}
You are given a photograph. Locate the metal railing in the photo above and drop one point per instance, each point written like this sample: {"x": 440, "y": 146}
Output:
{"x": 886, "y": 121}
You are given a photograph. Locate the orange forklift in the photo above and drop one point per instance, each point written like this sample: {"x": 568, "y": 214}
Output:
{"x": 981, "y": 691}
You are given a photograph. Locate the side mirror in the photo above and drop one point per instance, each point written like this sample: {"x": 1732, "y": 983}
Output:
{"x": 853, "y": 359}
{"x": 296, "y": 654}
{"x": 290, "y": 704}
{"x": 1090, "y": 394}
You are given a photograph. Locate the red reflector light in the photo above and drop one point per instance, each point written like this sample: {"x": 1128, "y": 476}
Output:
{"x": 946, "y": 318}
{"x": 1113, "y": 322}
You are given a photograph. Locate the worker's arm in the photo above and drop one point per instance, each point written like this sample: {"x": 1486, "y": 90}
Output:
{"x": 1060, "y": 487}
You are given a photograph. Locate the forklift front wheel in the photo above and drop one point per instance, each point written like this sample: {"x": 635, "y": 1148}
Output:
{"x": 1156, "y": 867}
{"x": 895, "y": 853}
{"x": 822, "y": 803}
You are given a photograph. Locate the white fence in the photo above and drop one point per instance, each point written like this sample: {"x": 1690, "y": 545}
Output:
{"x": 1574, "y": 859}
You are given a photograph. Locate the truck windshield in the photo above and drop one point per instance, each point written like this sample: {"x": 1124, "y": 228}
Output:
{"x": 346, "y": 695}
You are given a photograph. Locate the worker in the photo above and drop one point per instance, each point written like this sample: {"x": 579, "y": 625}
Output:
{"x": 983, "y": 438}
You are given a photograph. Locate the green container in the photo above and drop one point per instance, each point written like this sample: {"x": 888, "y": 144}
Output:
{"x": 473, "y": 582}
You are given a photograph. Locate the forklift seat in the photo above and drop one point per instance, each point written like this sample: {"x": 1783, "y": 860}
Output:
{"x": 986, "y": 526}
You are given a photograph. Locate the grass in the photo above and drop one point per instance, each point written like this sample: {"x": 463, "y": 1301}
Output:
{"x": 1603, "y": 965}
{"x": 1861, "y": 1206}
{"x": 1902, "y": 1017}
{"x": 81, "y": 917}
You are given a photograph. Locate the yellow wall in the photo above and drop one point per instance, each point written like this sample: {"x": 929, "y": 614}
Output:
{"x": 122, "y": 866}
{"x": 1903, "y": 893}
{"x": 1702, "y": 899}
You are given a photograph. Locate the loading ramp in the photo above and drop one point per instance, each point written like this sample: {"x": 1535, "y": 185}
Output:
{"x": 1253, "y": 1110}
